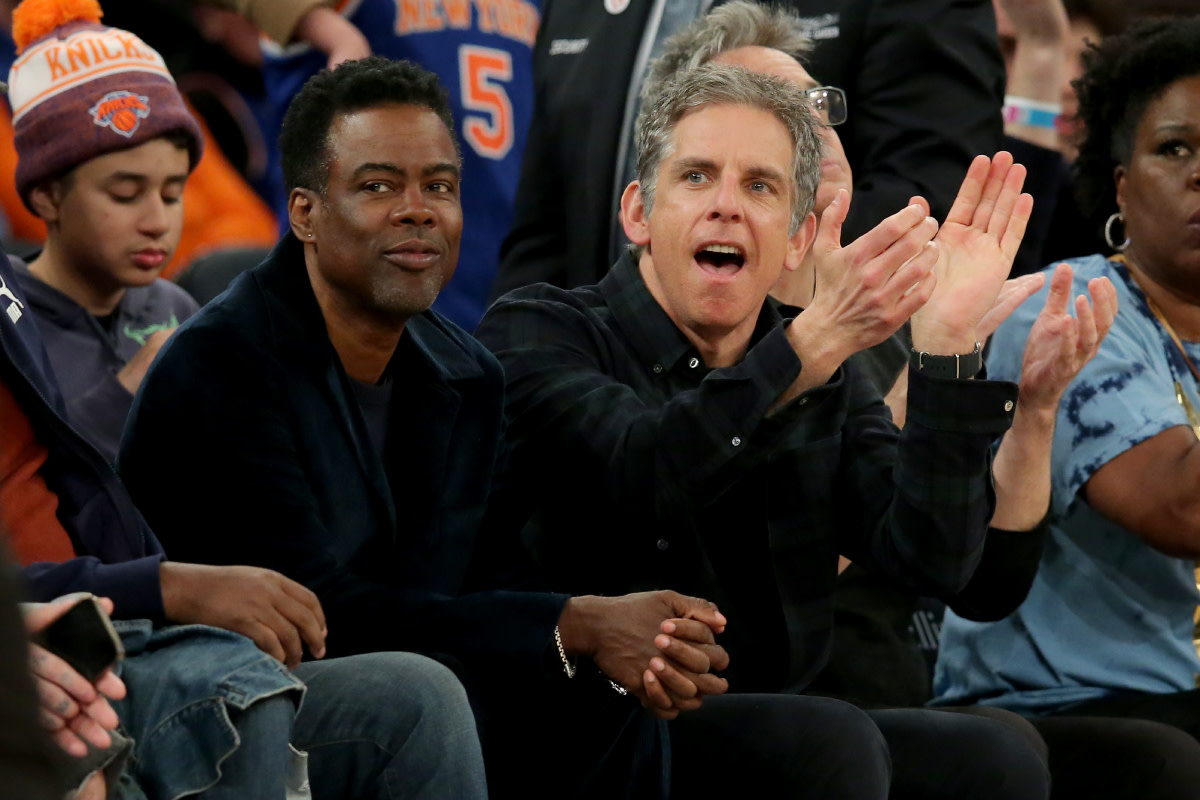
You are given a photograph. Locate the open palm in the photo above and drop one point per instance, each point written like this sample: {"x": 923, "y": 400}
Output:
{"x": 1059, "y": 345}
{"x": 976, "y": 244}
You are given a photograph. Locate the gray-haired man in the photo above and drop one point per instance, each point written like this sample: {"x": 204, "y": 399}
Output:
{"x": 680, "y": 433}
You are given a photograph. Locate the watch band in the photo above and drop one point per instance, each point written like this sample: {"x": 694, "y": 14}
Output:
{"x": 966, "y": 365}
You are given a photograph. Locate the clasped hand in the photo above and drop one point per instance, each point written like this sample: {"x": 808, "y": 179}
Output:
{"x": 660, "y": 646}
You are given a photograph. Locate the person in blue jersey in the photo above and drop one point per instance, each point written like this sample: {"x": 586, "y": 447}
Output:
{"x": 482, "y": 52}
{"x": 1108, "y": 627}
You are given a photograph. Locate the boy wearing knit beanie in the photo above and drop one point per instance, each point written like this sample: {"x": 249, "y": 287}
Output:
{"x": 217, "y": 658}
{"x": 105, "y": 144}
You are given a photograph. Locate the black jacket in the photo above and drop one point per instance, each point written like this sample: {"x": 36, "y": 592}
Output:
{"x": 251, "y": 407}
{"x": 924, "y": 83}
{"x": 653, "y": 471}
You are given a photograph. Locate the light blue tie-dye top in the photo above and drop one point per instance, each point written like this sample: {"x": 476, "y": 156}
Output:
{"x": 1107, "y": 612}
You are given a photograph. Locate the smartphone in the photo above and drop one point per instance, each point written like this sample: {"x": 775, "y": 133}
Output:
{"x": 85, "y": 638}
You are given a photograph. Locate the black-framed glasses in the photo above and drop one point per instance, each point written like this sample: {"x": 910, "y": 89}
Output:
{"x": 829, "y": 102}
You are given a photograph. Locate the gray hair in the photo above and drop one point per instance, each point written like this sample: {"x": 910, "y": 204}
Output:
{"x": 728, "y": 27}
{"x": 716, "y": 84}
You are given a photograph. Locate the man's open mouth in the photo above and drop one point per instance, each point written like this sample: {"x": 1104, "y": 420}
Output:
{"x": 721, "y": 258}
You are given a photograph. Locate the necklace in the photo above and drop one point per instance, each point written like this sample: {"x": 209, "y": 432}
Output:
{"x": 1193, "y": 415}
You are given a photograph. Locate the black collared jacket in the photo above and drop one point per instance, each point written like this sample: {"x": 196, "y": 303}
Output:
{"x": 246, "y": 446}
{"x": 653, "y": 471}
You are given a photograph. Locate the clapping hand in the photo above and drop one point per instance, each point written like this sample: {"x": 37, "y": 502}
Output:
{"x": 976, "y": 247}
{"x": 1059, "y": 345}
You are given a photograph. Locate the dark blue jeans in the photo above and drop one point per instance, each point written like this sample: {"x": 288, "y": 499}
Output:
{"x": 388, "y": 726}
{"x": 202, "y": 704}
{"x": 212, "y": 717}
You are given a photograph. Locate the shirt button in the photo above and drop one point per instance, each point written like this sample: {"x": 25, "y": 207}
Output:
{"x": 737, "y": 440}
{"x": 695, "y": 362}
{"x": 1008, "y": 405}
{"x": 662, "y": 544}
{"x": 657, "y": 368}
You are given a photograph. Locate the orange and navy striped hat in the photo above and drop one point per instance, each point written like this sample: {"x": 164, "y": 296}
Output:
{"x": 80, "y": 89}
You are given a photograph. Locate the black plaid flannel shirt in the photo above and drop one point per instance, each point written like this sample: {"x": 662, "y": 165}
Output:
{"x": 650, "y": 470}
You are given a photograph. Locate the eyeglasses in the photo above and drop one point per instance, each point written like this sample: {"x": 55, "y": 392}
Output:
{"x": 829, "y": 102}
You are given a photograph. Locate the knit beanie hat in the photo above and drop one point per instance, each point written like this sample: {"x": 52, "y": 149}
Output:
{"x": 80, "y": 89}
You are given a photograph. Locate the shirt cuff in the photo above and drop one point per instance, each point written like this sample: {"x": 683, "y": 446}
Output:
{"x": 961, "y": 406}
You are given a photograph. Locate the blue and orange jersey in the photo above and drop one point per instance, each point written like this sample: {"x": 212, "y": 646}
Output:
{"x": 482, "y": 51}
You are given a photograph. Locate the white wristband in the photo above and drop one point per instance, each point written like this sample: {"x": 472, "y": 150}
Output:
{"x": 1035, "y": 113}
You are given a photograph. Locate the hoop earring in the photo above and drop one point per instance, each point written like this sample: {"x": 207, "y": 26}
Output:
{"x": 1116, "y": 216}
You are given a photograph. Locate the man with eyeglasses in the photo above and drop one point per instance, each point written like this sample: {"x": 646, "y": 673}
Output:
{"x": 676, "y": 430}
{"x": 923, "y": 80}
{"x": 772, "y": 41}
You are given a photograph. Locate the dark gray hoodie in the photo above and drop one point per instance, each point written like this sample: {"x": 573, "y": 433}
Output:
{"x": 86, "y": 358}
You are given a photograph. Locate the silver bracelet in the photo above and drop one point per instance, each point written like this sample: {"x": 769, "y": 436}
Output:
{"x": 568, "y": 667}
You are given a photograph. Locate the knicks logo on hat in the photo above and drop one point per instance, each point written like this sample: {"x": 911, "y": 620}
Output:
{"x": 122, "y": 111}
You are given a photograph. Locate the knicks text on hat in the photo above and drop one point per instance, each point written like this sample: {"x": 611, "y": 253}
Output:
{"x": 55, "y": 65}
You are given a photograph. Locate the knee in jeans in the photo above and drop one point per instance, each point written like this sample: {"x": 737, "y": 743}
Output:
{"x": 267, "y": 721}
{"x": 430, "y": 686}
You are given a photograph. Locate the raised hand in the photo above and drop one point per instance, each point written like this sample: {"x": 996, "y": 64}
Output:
{"x": 279, "y": 614}
{"x": 332, "y": 34}
{"x": 1034, "y": 37}
{"x": 976, "y": 247}
{"x": 1033, "y": 20}
{"x": 1059, "y": 345}
{"x": 866, "y": 290}
{"x": 74, "y": 711}
{"x": 658, "y": 645}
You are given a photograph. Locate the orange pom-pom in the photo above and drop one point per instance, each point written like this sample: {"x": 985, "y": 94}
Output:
{"x": 33, "y": 19}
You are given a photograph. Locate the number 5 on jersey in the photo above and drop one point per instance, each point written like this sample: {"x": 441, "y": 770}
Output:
{"x": 482, "y": 74}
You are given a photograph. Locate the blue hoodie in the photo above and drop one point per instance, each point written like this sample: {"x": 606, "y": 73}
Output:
{"x": 118, "y": 555}
{"x": 86, "y": 361}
